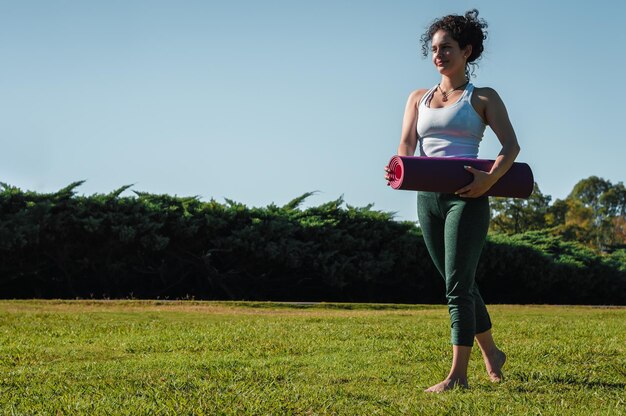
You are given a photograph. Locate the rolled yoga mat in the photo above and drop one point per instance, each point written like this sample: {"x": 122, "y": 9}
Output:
{"x": 448, "y": 174}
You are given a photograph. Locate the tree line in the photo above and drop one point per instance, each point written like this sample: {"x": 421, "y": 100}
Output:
{"x": 594, "y": 214}
{"x": 63, "y": 245}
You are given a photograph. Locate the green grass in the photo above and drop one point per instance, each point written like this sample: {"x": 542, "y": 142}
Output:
{"x": 172, "y": 358}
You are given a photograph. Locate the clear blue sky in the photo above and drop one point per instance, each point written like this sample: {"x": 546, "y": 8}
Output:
{"x": 261, "y": 101}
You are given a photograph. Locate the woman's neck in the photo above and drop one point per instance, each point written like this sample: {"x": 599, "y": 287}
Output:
{"x": 450, "y": 82}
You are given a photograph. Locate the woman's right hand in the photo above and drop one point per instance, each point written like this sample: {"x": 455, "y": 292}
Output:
{"x": 389, "y": 175}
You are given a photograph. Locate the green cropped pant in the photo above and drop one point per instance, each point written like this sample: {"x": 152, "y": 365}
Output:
{"x": 454, "y": 230}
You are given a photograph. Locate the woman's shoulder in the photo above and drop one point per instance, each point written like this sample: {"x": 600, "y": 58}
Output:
{"x": 487, "y": 101}
{"x": 417, "y": 95}
{"x": 486, "y": 93}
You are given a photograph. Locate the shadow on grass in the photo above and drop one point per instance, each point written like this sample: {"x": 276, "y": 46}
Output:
{"x": 540, "y": 379}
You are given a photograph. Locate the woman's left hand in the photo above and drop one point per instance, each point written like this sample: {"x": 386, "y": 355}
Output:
{"x": 482, "y": 182}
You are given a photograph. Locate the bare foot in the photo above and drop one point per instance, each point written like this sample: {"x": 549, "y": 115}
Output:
{"x": 447, "y": 384}
{"x": 494, "y": 364}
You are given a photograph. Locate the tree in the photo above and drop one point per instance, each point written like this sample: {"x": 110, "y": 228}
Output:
{"x": 514, "y": 215}
{"x": 578, "y": 224}
{"x": 619, "y": 232}
{"x": 556, "y": 213}
{"x": 595, "y": 213}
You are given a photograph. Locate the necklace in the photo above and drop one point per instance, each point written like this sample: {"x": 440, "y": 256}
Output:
{"x": 445, "y": 94}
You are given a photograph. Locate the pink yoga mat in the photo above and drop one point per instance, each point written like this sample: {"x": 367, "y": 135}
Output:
{"x": 447, "y": 175}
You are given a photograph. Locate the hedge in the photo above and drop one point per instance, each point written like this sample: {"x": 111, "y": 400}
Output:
{"x": 62, "y": 245}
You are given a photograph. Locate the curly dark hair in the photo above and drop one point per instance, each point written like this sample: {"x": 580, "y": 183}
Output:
{"x": 466, "y": 30}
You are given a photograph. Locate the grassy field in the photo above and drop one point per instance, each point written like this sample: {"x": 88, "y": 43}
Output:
{"x": 173, "y": 358}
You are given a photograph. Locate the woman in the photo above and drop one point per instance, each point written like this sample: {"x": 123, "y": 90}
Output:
{"x": 448, "y": 120}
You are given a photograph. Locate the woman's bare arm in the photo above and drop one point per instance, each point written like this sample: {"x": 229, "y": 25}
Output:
{"x": 408, "y": 137}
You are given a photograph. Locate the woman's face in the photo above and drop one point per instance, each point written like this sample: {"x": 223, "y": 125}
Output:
{"x": 448, "y": 57}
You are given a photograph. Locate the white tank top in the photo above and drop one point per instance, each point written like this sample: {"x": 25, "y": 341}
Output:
{"x": 453, "y": 131}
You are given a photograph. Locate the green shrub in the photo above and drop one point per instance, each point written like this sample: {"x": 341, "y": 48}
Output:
{"x": 61, "y": 245}
{"x": 538, "y": 267}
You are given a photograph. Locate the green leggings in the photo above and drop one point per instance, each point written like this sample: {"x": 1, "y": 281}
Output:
{"x": 454, "y": 230}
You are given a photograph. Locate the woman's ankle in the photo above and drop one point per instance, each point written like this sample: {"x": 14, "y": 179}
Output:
{"x": 457, "y": 378}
